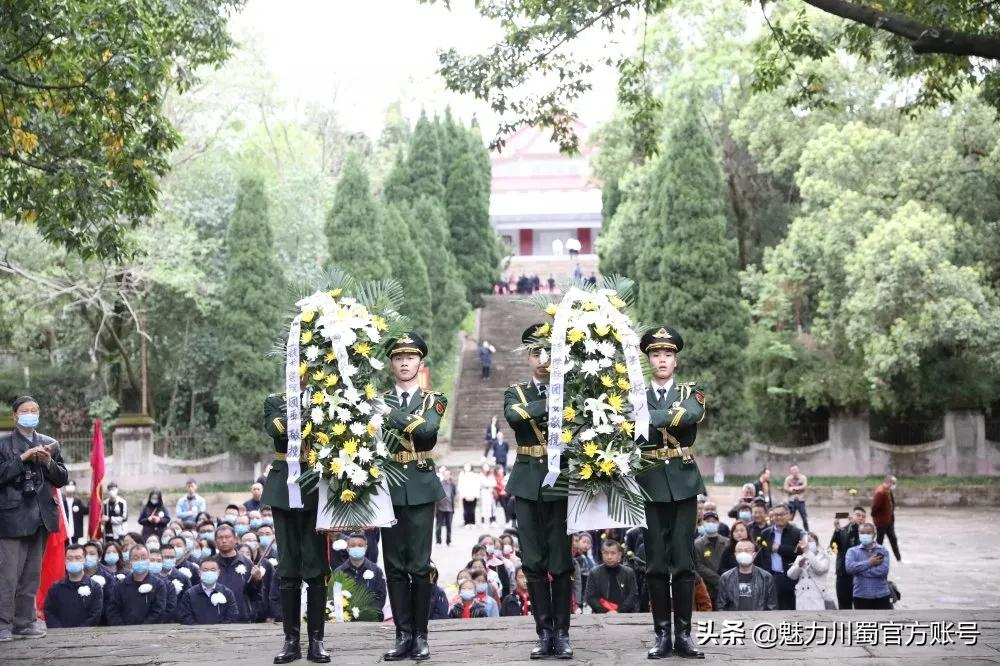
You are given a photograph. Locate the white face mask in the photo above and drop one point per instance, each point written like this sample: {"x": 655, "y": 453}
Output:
{"x": 812, "y": 547}
{"x": 744, "y": 559}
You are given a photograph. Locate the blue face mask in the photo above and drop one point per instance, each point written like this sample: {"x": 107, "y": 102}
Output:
{"x": 126, "y": 556}
{"x": 866, "y": 539}
{"x": 207, "y": 536}
{"x": 267, "y": 521}
{"x": 27, "y": 421}
{"x": 111, "y": 558}
{"x": 701, "y": 530}
{"x": 74, "y": 567}
{"x": 206, "y": 552}
{"x": 255, "y": 523}
{"x": 180, "y": 550}
{"x": 169, "y": 564}
{"x": 266, "y": 541}
{"x": 189, "y": 543}
{"x": 745, "y": 516}
{"x": 229, "y": 518}
{"x": 711, "y": 528}
{"x": 140, "y": 567}
{"x": 480, "y": 587}
{"x": 209, "y": 578}
{"x": 242, "y": 529}
{"x": 91, "y": 561}
{"x": 155, "y": 567}
{"x": 356, "y": 553}
{"x": 468, "y": 595}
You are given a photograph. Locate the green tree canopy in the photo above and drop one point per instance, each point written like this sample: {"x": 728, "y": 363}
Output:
{"x": 354, "y": 226}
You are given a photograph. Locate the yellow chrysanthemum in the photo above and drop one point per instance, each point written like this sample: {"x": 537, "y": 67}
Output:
{"x": 566, "y": 437}
{"x": 707, "y": 553}
{"x": 318, "y": 376}
{"x": 379, "y": 322}
{"x": 542, "y": 330}
{"x": 374, "y": 471}
{"x": 312, "y": 457}
{"x": 617, "y": 302}
{"x": 621, "y": 368}
{"x": 586, "y": 472}
{"x": 351, "y": 446}
{"x": 348, "y": 496}
{"x": 329, "y": 357}
{"x": 588, "y": 306}
{"x": 335, "y": 292}
{"x": 308, "y": 316}
{"x": 590, "y": 449}
{"x": 338, "y": 429}
{"x": 627, "y": 427}
{"x": 606, "y": 381}
{"x": 575, "y": 336}
{"x": 370, "y": 391}
{"x": 306, "y": 337}
{"x": 602, "y": 330}
{"x": 303, "y": 368}
{"x": 623, "y": 384}
{"x": 336, "y": 466}
{"x": 607, "y": 467}
{"x": 307, "y": 430}
{"x": 332, "y": 380}
{"x": 616, "y": 401}
{"x": 322, "y": 438}
{"x": 363, "y": 348}
{"x": 370, "y": 429}
{"x": 319, "y": 398}
{"x": 551, "y": 309}
{"x": 569, "y": 413}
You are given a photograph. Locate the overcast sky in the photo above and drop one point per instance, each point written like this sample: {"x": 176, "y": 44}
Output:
{"x": 370, "y": 53}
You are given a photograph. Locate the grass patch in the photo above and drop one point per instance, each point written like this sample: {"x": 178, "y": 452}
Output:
{"x": 872, "y": 481}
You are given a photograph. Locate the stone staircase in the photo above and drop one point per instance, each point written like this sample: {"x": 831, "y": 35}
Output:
{"x": 559, "y": 267}
{"x": 501, "y": 321}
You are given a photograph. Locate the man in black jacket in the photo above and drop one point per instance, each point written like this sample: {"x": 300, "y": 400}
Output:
{"x": 611, "y": 586}
{"x": 843, "y": 539}
{"x": 779, "y": 548}
{"x": 30, "y": 469}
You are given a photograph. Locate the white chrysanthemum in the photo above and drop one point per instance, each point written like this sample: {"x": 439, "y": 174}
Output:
{"x": 217, "y": 598}
{"x": 376, "y": 363}
{"x": 100, "y": 580}
{"x": 605, "y": 429}
{"x": 324, "y": 452}
{"x": 368, "y": 574}
{"x": 358, "y": 476}
{"x": 311, "y": 353}
{"x": 356, "y": 612}
{"x": 381, "y": 449}
{"x": 145, "y": 588}
{"x": 373, "y": 334}
{"x": 605, "y": 362}
{"x": 363, "y": 408}
{"x": 334, "y": 328}
{"x": 340, "y": 544}
{"x": 365, "y": 454}
{"x": 377, "y": 420}
{"x": 317, "y": 415}
{"x": 343, "y": 414}
{"x": 623, "y": 461}
{"x": 83, "y": 590}
{"x": 185, "y": 571}
{"x": 606, "y": 348}
{"x": 590, "y": 346}
{"x": 588, "y": 435}
{"x": 241, "y": 569}
{"x": 590, "y": 367}
{"x": 352, "y": 396}
{"x": 178, "y": 586}
{"x": 349, "y": 370}
{"x": 358, "y": 429}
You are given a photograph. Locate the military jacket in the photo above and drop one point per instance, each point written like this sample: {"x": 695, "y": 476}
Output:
{"x": 276, "y": 485}
{"x": 673, "y": 423}
{"x": 417, "y": 424}
{"x": 526, "y": 413}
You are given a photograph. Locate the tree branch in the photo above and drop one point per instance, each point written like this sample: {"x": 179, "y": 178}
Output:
{"x": 923, "y": 38}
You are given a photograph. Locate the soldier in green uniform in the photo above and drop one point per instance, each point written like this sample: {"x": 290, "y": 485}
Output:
{"x": 673, "y": 485}
{"x": 541, "y": 514}
{"x": 406, "y": 546}
{"x": 301, "y": 549}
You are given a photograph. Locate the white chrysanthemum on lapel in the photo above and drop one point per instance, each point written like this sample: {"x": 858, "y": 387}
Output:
{"x": 217, "y": 598}
{"x": 83, "y": 590}
{"x": 145, "y": 588}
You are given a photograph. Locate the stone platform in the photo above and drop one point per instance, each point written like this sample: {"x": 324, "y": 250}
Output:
{"x": 597, "y": 639}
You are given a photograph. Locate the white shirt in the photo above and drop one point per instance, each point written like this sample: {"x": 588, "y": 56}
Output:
{"x": 539, "y": 385}
{"x": 409, "y": 394}
{"x": 661, "y": 387}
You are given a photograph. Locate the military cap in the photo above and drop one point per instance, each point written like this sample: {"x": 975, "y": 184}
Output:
{"x": 410, "y": 343}
{"x": 532, "y": 336}
{"x": 664, "y": 337}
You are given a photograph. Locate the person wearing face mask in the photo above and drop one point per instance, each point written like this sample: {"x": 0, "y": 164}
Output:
{"x": 746, "y": 587}
{"x": 738, "y": 532}
{"x": 76, "y": 600}
{"x": 262, "y": 611}
{"x": 209, "y": 602}
{"x": 884, "y": 513}
{"x": 231, "y": 514}
{"x": 495, "y": 563}
{"x": 76, "y": 510}
{"x": 190, "y": 505}
{"x": 747, "y": 494}
{"x": 611, "y": 585}
{"x": 238, "y": 573}
{"x": 154, "y": 516}
{"x": 169, "y": 571}
{"x": 843, "y": 539}
{"x": 868, "y": 562}
{"x": 712, "y": 507}
{"x": 156, "y": 570}
{"x": 366, "y": 573}
{"x": 779, "y": 546}
{"x": 140, "y": 598}
{"x": 183, "y": 563}
{"x": 467, "y": 606}
{"x": 809, "y": 570}
{"x": 708, "y": 552}
{"x": 30, "y": 469}
{"x": 483, "y": 593}
{"x": 114, "y": 513}
{"x": 241, "y": 526}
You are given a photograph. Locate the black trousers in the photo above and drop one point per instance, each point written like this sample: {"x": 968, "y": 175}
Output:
{"x": 882, "y": 603}
{"x": 845, "y": 592}
{"x": 785, "y": 588}
{"x": 443, "y": 519}
{"x": 545, "y": 546}
{"x": 406, "y": 546}
{"x": 486, "y": 372}
{"x": 469, "y": 512}
{"x": 800, "y": 506}
{"x": 890, "y": 532}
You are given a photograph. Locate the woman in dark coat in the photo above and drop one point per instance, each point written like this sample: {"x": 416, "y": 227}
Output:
{"x": 154, "y": 516}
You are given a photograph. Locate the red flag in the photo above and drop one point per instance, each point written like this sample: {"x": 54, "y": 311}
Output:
{"x": 54, "y": 559}
{"x": 96, "y": 482}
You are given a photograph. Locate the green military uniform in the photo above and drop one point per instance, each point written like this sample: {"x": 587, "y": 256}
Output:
{"x": 541, "y": 515}
{"x": 301, "y": 549}
{"x": 406, "y": 546}
{"x": 673, "y": 484}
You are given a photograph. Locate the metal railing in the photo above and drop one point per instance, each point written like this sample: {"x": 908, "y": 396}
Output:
{"x": 993, "y": 429}
{"x": 186, "y": 445}
{"x": 905, "y": 433}
{"x": 75, "y": 447}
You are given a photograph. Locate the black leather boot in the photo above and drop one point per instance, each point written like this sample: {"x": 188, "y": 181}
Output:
{"x": 421, "y": 593}
{"x": 402, "y": 616}
{"x": 316, "y": 621}
{"x": 683, "y": 593}
{"x": 291, "y": 613}
{"x": 659, "y": 606}
{"x": 562, "y": 594}
{"x": 541, "y": 609}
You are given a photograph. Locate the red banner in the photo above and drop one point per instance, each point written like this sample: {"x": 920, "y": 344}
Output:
{"x": 54, "y": 559}
{"x": 96, "y": 482}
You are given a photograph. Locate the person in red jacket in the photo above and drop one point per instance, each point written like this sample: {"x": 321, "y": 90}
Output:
{"x": 884, "y": 513}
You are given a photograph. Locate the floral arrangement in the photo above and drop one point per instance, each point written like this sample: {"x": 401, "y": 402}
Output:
{"x": 350, "y": 602}
{"x": 342, "y": 332}
{"x": 598, "y": 426}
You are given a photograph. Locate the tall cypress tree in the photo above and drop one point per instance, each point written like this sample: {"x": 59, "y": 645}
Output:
{"x": 423, "y": 163}
{"x": 409, "y": 268}
{"x": 688, "y": 275}
{"x": 354, "y": 225}
{"x": 250, "y": 320}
